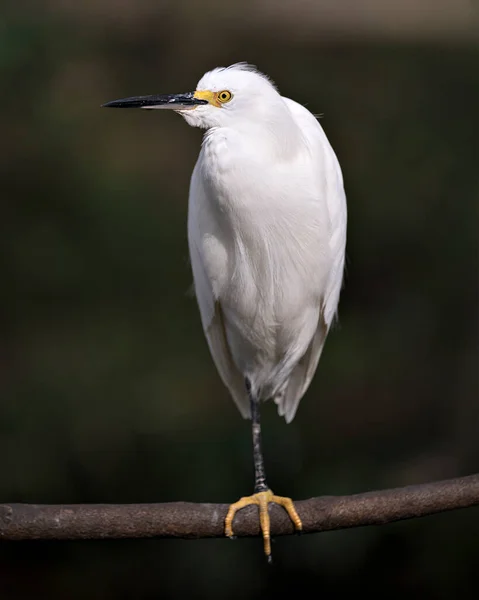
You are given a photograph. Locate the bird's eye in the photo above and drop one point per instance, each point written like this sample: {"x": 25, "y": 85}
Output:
{"x": 224, "y": 96}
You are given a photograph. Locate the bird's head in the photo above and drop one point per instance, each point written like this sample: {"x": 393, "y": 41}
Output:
{"x": 224, "y": 97}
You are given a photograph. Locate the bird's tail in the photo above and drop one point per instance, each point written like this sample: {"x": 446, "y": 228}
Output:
{"x": 289, "y": 397}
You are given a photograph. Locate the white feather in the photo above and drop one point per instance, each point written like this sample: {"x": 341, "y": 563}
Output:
{"x": 267, "y": 234}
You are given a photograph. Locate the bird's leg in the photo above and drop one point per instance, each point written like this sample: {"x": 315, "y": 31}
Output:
{"x": 259, "y": 474}
{"x": 262, "y": 494}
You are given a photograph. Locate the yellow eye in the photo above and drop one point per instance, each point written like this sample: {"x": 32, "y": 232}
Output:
{"x": 224, "y": 96}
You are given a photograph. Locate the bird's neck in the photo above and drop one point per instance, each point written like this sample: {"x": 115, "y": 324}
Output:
{"x": 277, "y": 135}
{"x": 274, "y": 138}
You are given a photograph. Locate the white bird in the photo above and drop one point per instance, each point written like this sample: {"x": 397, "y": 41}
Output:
{"x": 267, "y": 235}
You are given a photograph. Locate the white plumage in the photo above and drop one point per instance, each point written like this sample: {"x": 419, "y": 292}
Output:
{"x": 267, "y": 234}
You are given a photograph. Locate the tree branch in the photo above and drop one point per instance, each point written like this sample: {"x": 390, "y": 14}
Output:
{"x": 188, "y": 520}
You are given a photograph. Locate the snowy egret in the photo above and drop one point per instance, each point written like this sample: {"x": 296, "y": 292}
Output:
{"x": 267, "y": 235}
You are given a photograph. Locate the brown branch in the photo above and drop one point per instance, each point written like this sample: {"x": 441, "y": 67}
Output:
{"x": 188, "y": 520}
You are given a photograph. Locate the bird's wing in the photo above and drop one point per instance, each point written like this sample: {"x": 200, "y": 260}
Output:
{"x": 333, "y": 200}
{"x": 210, "y": 307}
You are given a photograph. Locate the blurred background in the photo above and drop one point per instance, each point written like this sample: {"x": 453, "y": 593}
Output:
{"x": 108, "y": 392}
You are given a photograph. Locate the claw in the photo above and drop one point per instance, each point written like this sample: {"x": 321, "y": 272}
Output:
{"x": 262, "y": 499}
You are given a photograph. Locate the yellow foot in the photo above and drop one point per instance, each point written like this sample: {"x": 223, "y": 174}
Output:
{"x": 262, "y": 499}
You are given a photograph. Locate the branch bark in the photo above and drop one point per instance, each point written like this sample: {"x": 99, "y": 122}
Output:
{"x": 189, "y": 520}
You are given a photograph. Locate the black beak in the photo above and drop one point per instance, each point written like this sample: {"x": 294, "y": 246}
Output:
{"x": 171, "y": 101}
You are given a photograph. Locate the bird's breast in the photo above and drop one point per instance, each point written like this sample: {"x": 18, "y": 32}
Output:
{"x": 267, "y": 219}
{"x": 265, "y": 262}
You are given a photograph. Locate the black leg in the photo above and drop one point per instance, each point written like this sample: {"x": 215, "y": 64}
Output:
{"x": 259, "y": 474}
{"x": 262, "y": 496}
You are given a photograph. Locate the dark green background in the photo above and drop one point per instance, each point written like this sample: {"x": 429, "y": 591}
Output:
{"x": 108, "y": 392}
